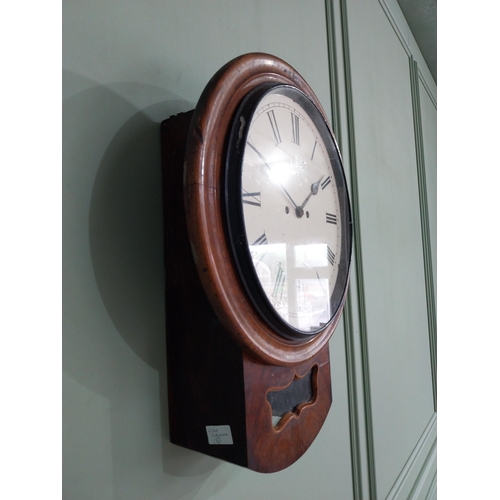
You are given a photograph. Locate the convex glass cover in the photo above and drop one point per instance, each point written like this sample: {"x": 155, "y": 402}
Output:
{"x": 288, "y": 210}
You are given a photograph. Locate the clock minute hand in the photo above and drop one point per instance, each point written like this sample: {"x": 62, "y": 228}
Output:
{"x": 314, "y": 191}
{"x": 276, "y": 182}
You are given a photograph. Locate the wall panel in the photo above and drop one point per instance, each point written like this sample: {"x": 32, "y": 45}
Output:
{"x": 395, "y": 331}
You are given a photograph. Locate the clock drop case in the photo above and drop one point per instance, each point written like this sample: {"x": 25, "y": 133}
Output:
{"x": 258, "y": 238}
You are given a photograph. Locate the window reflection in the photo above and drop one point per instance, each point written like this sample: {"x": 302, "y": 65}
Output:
{"x": 313, "y": 303}
{"x": 271, "y": 267}
{"x": 314, "y": 255}
{"x": 293, "y": 285}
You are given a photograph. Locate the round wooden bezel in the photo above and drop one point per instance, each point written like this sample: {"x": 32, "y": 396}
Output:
{"x": 205, "y": 208}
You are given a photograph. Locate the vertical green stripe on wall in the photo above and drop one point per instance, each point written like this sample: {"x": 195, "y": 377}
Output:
{"x": 357, "y": 261}
{"x": 424, "y": 219}
{"x": 348, "y": 324}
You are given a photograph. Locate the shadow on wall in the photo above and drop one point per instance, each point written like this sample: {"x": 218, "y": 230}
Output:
{"x": 126, "y": 236}
{"x": 112, "y": 175}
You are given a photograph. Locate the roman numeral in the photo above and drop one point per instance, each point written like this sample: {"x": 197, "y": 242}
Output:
{"x": 274, "y": 126}
{"x": 331, "y": 218}
{"x": 295, "y": 129}
{"x": 326, "y": 182}
{"x": 330, "y": 256}
{"x": 261, "y": 240}
{"x": 251, "y": 198}
{"x": 314, "y": 149}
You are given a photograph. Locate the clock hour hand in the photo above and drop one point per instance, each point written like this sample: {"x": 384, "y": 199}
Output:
{"x": 314, "y": 191}
{"x": 297, "y": 209}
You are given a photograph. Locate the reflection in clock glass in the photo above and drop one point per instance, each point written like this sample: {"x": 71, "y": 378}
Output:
{"x": 291, "y": 209}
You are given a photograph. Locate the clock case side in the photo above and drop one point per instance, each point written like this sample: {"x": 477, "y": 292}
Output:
{"x": 204, "y": 367}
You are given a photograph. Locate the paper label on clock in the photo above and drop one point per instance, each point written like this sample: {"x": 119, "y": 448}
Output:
{"x": 219, "y": 434}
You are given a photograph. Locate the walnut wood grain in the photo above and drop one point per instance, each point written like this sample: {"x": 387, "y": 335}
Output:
{"x": 273, "y": 448}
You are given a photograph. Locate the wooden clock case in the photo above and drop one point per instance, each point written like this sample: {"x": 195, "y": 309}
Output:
{"x": 225, "y": 365}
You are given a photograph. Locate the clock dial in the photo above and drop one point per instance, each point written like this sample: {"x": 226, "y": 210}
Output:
{"x": 289, "y": 225}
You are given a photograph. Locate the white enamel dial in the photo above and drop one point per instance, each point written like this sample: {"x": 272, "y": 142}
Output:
{"x": 292, "y": 218}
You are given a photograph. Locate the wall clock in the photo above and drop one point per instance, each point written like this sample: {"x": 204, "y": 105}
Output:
{"x": 258, "y": 238}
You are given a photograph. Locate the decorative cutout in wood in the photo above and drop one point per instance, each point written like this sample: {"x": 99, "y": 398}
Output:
{"x": 290, "y": 400}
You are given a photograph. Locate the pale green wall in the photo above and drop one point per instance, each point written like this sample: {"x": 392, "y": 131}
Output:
{"x": 129, "y": 64}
